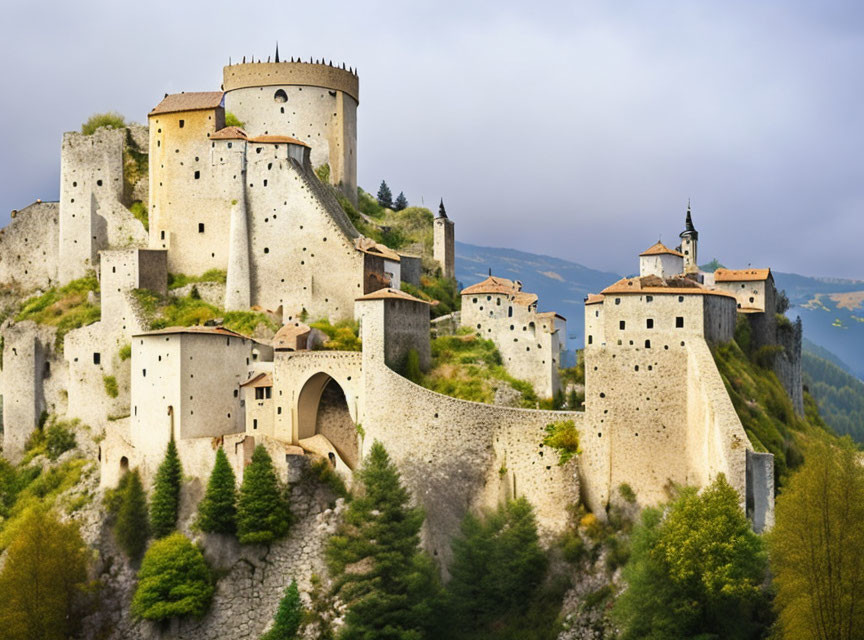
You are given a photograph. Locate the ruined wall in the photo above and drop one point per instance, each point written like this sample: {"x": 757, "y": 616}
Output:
{"x": 310, "y": 102}
{"x": 29, "y": 248}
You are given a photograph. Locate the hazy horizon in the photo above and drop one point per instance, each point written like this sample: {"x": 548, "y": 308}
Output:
{"x": 575, "y": 130}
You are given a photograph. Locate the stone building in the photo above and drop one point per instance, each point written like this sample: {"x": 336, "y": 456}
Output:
{"x": 444, "y": 243}
{"x": 530, "y": 342}
{"x": 658, "y": 260}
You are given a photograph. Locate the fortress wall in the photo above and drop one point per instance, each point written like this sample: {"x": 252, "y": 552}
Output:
{"x": 720, "y": 316}
{"x": 24, "y": 359}
{"x": 407, "y": 327}
{"x": 29, "y": 248}
{"x": 313, "y": 103}
{"x": 180, "y": 202}
{"x": 301, "y": 248}
{"x": 716, "y": 441}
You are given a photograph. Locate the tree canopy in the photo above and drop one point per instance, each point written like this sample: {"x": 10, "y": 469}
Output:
{"x": 217, "y": 511}
{"x": 385, "y": 196}
{"x": 288, "y": 616}
{"x": 817, "y": 547}
{"x": 262, "y": 514}
{"x": 165, "y": 505}
{"x": 110, "y": 120}
{"x": 132, "y": 526}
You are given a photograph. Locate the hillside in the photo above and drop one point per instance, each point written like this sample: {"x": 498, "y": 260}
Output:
{"x": 839, "y": 394}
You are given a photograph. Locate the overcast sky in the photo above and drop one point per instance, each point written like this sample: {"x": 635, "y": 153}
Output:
{"x": 574, "y": 129}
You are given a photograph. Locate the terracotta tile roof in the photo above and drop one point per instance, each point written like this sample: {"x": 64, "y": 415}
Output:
{"x": 367, "y": 245}
{"x": 277, "y": 140}
{"x": 549, "y": 314}
{"x": 492, "y": 284}
{"x": 524, "y": 299}
{"x": 230, "y": 133}
{"x": 594, "y": 298}
{"x": 655, "y": 284}
{"x": 286, "y": 337}
{"x": 390, "y": 294}
{"x": 741, "y": 275}
{"x": 193, "y": 101}
{"x": 660, "y": 249}
{"x": 261, "y": 380}
{"x": 200, "y": 330}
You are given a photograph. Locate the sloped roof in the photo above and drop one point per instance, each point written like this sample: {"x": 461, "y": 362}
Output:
{"x": 368, "y": 245}
{"x": 230, "y": 133}
{"x": 261, "y": 380}
{"x": 549, "y": 314}
{"x": 525, "y": 299}
{"x": 198, "y": 330}
{"x": 594, "y": 298}
{"x": 192, "y": 101}
{"x": 390, "y": 294}
{"x": 741, "y": 275}
{"x": 659, "y": 249}
{"x": 278, "y": 140}
{"x": 287, "y": 336}
{"x": 492, "y": 284}
{"x": 655, "y": 284}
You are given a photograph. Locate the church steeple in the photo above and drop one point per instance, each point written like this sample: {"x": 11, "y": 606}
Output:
{"x": 689, "y": 243}
{"x": 277, "y": 53}
{"x": 689, "y": 229}
{"x": 442, "y": 213}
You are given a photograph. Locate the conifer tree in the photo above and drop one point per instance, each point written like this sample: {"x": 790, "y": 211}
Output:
{"x": 165, "y": 505}
{"x": 217, "y": 511}
{"x": 262, "y": 515}
{"x": 573, "y": 399}
{"x": 385, "y": 197}
{"x": 288, "y": 616}
{"x": 43, "y": 577}
{"x": 388, "y": 584}
{"x": 401, "y": 202}
{"x": 132, "y": 527}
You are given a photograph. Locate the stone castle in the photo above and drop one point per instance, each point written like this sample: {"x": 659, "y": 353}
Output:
{"x": 247, "y": 201}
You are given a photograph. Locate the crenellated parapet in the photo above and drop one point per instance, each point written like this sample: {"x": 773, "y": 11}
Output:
{"x": 309, "y": 74}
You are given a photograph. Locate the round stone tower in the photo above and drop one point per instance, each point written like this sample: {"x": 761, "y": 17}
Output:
{"x": 310, "y": 101}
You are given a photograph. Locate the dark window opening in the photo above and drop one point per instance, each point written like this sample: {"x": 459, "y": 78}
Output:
{"x": 647, "y": 344}
{"x": 679, "y": 322}
{"x": 200, "y": 227}
{"x": 254, "y": 424}
{"x": 161, "y": 235}
{"x": 182, "y": 123}
{"x": 98, "y": 183}
{"x": 280, "y": 96}
{"x": 590, "y": 339}
{"x": 649, "y": 323}
{"x": 621, "y": 325}
{"x": 97, "y": 358}
{"x": 197, "y": 175}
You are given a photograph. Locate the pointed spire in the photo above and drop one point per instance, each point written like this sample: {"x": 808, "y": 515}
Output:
{"x": 490, "y": 272}
{"x": 277, "y": 52}
{"x": 442, "y": 213}
{"x": 689, "y": 229}
{"x": 244, "y": 59}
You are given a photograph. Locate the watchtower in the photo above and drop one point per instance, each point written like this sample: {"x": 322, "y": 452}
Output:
{"x": 444, "y": 248}
{"x": 314, "y": 102}
{"x": 689, "y": 241}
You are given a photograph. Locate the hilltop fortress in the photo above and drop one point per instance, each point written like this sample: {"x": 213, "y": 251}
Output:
{"x": 246, "y": 201}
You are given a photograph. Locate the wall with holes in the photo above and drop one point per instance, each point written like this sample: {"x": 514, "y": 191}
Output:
{"x": 29, "y": 248}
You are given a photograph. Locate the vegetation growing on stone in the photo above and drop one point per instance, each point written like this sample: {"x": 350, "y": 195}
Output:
{"x": 444, "y": 291}
{"x": 289, "y": 615}
{"x": 43, "y": 580}
{"x": 817, "y": 547}
{"x": 323, "y": 172}
{"x": 132, "y": 525}
{"x": 342, "y": 336}
{"x": 174, "y": 581}
{"x": 109, "y": 120}
{"x": 165, "y": 504}
{"x": 125, "y": 352}
{"x": 110, "y": 384}
{"x": 139, "y": 210}
{"x": 696, "y": 569}
{"x": 166, "y": 311}
{"x": 177, "y": 280}
{"x": 232, "y": 120}
{"x": 497, "y": 573}
{"x": 387, "y": 583}
{"x": 564, "y": 438}
{"x": 262, "y": 514}
{"x": 52, "y": 438}
{"x": 217, "y": 511}
{"x": 65, "y": 307}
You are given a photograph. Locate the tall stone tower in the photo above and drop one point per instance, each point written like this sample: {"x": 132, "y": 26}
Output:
{"x": 313, "y": 102}
{"x": 444, "y": 249}
{"x": 689, "y": 241}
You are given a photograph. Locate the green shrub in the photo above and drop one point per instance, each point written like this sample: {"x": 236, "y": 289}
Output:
{"x": 262, "y": 515}
{"x": 59, "y": 437}
{"x": 573, "y": 547}
{"x": 323, "y": 473}
{"x": 342, "y": 336}
{"x": 626, "y": 492}
{"x": 132, "y": 526}
{"x": 139, "y": 210}
{"x": 323, "y": 173}
{"x": 125, "y": 352}
{"x": 217, "y": 511}
{"x": 232, "y": 121}
{"x": 110, "y": 383}
{"x": 564, "y": 438}
{"x": 411, "y": 367}
{"x": 288, "y": 616}
{"x": 66, "y": 307}
{"x": 109, "y": 120}
{"x": 173, "y": 581}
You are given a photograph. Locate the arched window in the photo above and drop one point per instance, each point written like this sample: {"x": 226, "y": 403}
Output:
{"x": 280, "y": 96}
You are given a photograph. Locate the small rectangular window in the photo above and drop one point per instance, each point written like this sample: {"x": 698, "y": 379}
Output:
{"x": 259, "y": 393}
{"x": 97, "y": 358}
{"x": 649, "y": 323}
{"x": 268, "y": 391}
{"x": 200, "y": 227}
{"x": 161, "y": 235}
{"x": 679, "y": 322}
{"x": 590, "y": 339}
{"x": 621, "y": 325}
{"x": 254, "y": 424}
{"x": 279, "y": 410}
{"x": 197, "y": 175}
{"x": 182, "y": 122}
{"x": 143, "y": 373}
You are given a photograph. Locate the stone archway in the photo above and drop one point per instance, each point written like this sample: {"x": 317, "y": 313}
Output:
{"x": 323, "y": 409}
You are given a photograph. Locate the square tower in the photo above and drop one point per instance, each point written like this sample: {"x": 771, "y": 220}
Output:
{"x": 444, "y": 249}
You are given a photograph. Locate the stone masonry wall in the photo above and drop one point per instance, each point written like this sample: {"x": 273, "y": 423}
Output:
{"x": 29, "y": 248}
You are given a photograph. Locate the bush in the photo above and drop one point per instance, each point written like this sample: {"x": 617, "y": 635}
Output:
{"x": 132, "y": 527}
{"x": 342, "y": 336}
{"x": 262, "y": 515}
{"x": 109, "y": 120}
{"x": 232, "y": 120}
{"x": 217, "y": 511}
{"x": 411, "y": 367}
{"x": 59, "y": 438}
{"x": 165, "y": 505}
{"x": 110, "y": 383}
{"x": 173, "y": 581}
{"x": 288, "y": 616}
{"x": 564, "y": 438}
{"x": 125, "y": 352}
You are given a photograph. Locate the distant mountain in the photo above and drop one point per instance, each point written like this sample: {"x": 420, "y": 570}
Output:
{"x": 560, "y": 284}
{"x": 832, "y": 309}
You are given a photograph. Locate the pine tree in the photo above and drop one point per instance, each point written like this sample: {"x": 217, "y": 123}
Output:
{"x": 174, "y": 580}
{"x": 288, "y": 616}
{"x": 165, "y": 505}
{"x": 401, "y": 202}
{"x": 262, "y": 515}
{"x": 385, "y": 197}
{"x": 388, "y": 584}
{"x": 43, "y": 577}
{"x": 132, "y": 527}
{"x": 573, "y": 399}
{"x": 217, "y": 511}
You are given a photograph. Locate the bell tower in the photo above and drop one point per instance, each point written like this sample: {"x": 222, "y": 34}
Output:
{"x": 444, "y": 249}
{"x": 689, "y": 244}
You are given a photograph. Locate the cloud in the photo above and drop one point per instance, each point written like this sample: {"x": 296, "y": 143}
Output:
{"x": 576, "y": 129}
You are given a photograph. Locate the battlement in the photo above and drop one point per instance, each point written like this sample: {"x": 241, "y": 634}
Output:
{"x": 244, "y": 75}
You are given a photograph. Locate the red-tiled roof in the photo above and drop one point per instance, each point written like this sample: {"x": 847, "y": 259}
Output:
{"x": 287, "y": 336}
{"x": 549, "y": 314}
{"x": 390, "y": 294}
{"x": 741, "y": 275}
{"x": 655, "y": 284}
{"x": 199, "y": 330}
{"x": 660, "y": 249}
{"x": 193, "y": 101}
{"x": 278, "y": 140}
{"x": 492, "y": 284}
{"x": 261, "y": 380}
{"x": 594, "y": 298}
{"x": 367, "y": 245}
{"x": 229, "y": 133}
